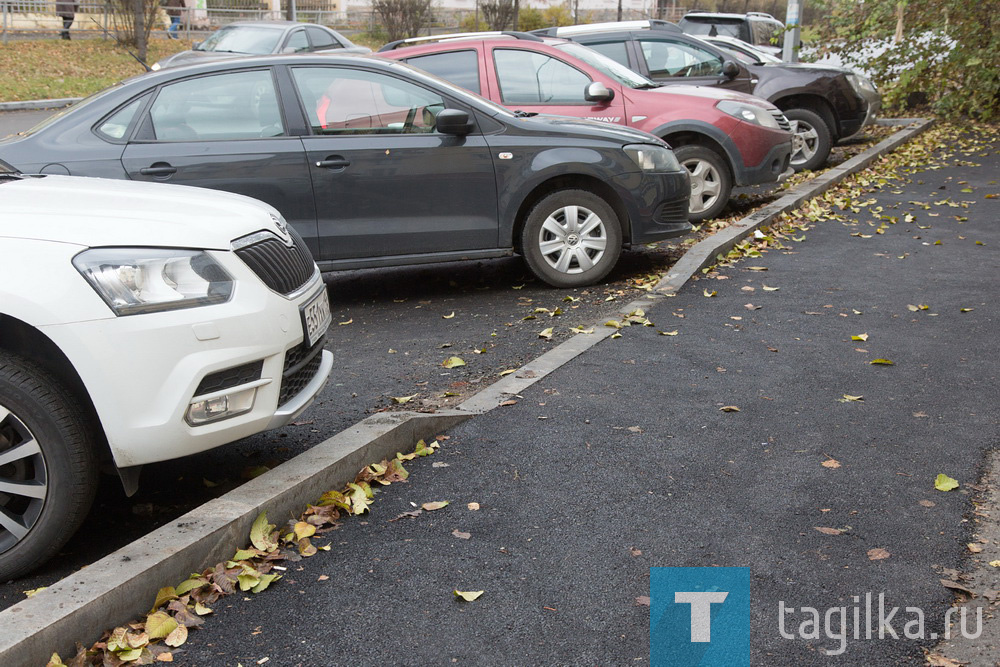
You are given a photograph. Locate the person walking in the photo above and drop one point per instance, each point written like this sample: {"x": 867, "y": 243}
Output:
{"x": 66, "y": 10}
{"x": 174, "y": 9}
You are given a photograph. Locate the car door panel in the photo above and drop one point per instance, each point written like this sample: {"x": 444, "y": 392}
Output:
{"x": 206, "y": 132}
{"x": 385, "y": 182}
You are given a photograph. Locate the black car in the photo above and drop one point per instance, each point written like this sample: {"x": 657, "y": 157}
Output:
{"x": 259, "y": 38}
{"x": 376, "y": 163}
{"x": 823, "y": 104}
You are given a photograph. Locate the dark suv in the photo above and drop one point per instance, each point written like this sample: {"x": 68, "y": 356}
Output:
{"x": 823, "y": 104}
{"x": 757, "y": 28}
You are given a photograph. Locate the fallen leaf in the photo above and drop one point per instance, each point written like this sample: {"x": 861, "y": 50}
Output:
{"x": 669, "y": 333}
{"x": 920, "y": 414}
{"x": 473, "y": 507}
{"x": 974, "y": 548}
{"x": 729, "y": 408}
{"x": 995, "y": 563}
{"x": 436, "y": 505}
{"x": 453, "y": 362}
{"x": 938, "y": 660}
{"x": 945, "y": 483}
{"x": 770, "y": 289}
{"x": 861, "y": 337}
{"x": 955, "y": 586}
{"x": 448, "y": 317}
{"x": 851, "y": 399}
{"x": 709, "y": 294}
{"x": 468, "y": 596}
{"x": 545, "y": 333}
{"x": 508, "y": 402}
{"x": 831, "y": 463}
{"x": 756, "y": 268}
{"x": 400, "y": 400}
{"x": 881, "y": 362}
{"x": 967, "y": 310}
{"x": 460, "y": 535}
{"x": 878, "y": 554}
{"x": 31, "y": 592}
{"x": 407, "y": 515}
{"x": 828, "y": 531}
{"x": 347, "y": 322}
{"x": 635, "y": 552}
{"x": 508, "y": 372}
{"x": 750, "y": 306}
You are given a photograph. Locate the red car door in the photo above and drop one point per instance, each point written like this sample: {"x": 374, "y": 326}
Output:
{"x": 533, "y": 81}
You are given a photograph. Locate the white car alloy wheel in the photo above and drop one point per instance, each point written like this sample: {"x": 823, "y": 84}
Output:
{"x": 23, "y": 479}
{"x": 571, "y": 238}
{"x": 48, "y": 465}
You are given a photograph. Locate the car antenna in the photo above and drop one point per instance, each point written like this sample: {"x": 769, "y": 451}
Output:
{"x": 115, "y": 37}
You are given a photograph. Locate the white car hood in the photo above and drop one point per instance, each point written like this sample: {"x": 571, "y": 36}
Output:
{"x": 104, "y": 212}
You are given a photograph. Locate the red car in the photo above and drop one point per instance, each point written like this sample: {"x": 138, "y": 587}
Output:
{"x": 724, "y": 138}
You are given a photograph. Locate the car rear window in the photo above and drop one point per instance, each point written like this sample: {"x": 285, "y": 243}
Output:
{"x": 715, "y": 26}
{"x": 459, "y": 67}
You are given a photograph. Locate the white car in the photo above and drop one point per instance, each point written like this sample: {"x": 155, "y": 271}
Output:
{"x": 139, "y": 323}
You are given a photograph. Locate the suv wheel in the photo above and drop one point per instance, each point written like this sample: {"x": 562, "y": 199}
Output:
{"x": 48, "y": 467}
{"x": 571, "y": 238}
{"x": 812, "y": 141}
{"x": 711, "y": 184}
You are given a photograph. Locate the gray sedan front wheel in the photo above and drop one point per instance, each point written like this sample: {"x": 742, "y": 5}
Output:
{"x": 571, "y": 238}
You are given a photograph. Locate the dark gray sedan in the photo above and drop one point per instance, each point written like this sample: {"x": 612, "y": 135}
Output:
{"x": 259, "y": 38}
{"x": 376, "y": 163}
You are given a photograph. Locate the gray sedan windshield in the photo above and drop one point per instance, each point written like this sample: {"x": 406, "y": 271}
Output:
{"x": 243, "y": 39}
{"x": 599, "y": 61}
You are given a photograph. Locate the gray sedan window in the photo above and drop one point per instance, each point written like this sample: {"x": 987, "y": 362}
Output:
{"x": 297, "y": 42}
{"x": 350, "y": 101}
{"x": 240, "y": 105}
{"x": 322, "y": 40}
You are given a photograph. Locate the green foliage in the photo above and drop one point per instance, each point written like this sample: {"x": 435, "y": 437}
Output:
{"x": 468, "y": 24}
{"x": 948, "y": 58}
{"x": 558, "y": 15}
{"x": 530, "y": 18}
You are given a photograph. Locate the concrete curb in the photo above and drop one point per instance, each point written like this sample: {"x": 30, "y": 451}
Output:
{"x": 120, "y": 586}
{"x": 38, "y": 105}
{"x": 704, "y": 253}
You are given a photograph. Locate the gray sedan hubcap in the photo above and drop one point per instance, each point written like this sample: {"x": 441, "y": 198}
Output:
{"x": 23, "y": 480}
{"x": 804, "y": 143}
{"x": 706, "y": 185}
{"x": 572, "y": 239}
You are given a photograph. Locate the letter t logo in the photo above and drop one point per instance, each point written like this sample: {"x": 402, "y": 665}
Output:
{"x": 701, "y": 612}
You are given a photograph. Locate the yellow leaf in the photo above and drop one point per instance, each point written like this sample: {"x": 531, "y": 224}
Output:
{"x": 770, "y": 289}
{"x": 945, "y": 483}
{"x": 614, "y": 324}
{"x": 756, "y": 268}
{"x": 669, "y": 333}
{"x": 881, "y": 362}
{"x": 849, "y": 399}
{"x": 31, "y": 592}
{"x": 508, "y": 371}
{"x": 448, "y": 317}
{"x": 709, "y": 294}
{"x": 347, "y": 322}
{"x": 159, "y": 624}
{"x": 545, "y": 333}
{"x": 436, "y": 505}
{"x": 831, "y": 463}
{"x": 453, "y": 362}
{"x": 729, "y": 408}
{"x": 863, "y": 336}
{"x": 468, "y": 596}
{"x": 616, "y": 335}
{"x": 177, "y": 637}
{"x": 303, "y": 529}
{"x": 400, "y": 400}
{"x": 912, "y": 308}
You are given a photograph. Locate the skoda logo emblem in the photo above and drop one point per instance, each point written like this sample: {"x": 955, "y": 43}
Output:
{"x": 280, "y": 224}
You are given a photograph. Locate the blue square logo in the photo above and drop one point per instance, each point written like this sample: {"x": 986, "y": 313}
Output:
{"x": 699, "y": 616}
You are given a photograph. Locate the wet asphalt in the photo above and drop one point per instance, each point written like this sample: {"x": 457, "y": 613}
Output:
{"x": 623, "y": 460}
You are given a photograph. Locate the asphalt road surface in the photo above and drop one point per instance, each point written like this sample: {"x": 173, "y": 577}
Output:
{"x": 623, "y": 460}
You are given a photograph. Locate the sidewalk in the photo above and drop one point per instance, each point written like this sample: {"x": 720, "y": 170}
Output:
{"x": 626, "y": 450}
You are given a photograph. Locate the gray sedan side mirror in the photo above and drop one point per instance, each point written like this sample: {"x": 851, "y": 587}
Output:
{"x": 453, "y": 121}
{"x": 730, "y": 69}
{"x": 598, "y": 92}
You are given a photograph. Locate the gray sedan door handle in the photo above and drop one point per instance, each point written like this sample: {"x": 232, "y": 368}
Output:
{"x": 158, "y": 171}
{"x": 334, "y": 163}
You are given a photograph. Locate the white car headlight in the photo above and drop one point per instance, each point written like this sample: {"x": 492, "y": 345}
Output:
{"x": 149, "y": 280}
{"x": 651, "y": 157}
{"x": 749, "y": 113}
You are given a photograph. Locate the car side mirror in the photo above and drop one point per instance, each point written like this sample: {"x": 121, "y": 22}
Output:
{"x": 730, "y": 69}
{"x": 289, "y": 49}
{"x": 195, "y": 45}
{"x": 453, "y": 121}
{"x": 598, "y": 92}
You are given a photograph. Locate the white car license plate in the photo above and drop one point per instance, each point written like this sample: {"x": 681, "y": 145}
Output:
{"x": 316, "y": 317}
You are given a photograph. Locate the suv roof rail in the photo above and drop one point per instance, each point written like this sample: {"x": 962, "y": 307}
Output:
{"x": 583, "y": 28}
{"x": 761, "y": 14}
{"x": 459, "y": 36}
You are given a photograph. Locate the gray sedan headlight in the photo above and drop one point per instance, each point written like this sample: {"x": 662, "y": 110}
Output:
{"x": 749, "y": 113}
{"x": 149, "y": 280}
{"x": 653, "y": 158}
